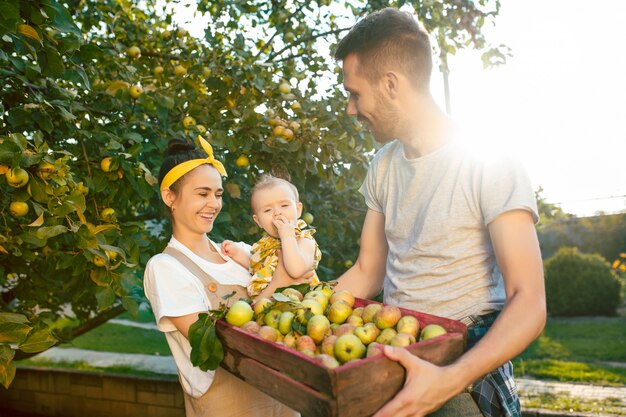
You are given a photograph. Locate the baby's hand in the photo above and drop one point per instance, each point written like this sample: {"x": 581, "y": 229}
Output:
{"x": 285, "y": 227}
{"x": 229, "y": 248}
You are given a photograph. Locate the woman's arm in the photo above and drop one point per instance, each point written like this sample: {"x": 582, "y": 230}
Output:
{"x": 183, "y": 323}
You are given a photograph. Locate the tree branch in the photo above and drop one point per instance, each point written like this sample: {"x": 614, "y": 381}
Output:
{"x": 305, "y": 39}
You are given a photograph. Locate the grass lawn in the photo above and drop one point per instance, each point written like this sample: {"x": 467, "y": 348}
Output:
{"x": 577, "y": 349}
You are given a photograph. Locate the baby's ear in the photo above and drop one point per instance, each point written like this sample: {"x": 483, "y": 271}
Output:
{"x": 256, "y": 220}
{"x": 299, "y": 206}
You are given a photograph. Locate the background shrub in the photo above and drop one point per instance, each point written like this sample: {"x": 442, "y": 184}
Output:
{"x": 580, "y": 284}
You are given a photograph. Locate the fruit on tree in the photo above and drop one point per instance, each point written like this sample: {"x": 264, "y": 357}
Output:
{"x": 46, "y": 169}
{"x": 284, "y": 88}
{"x": 158, "y": 70}
{"x": 99, "y": 261}
{"x": 188, "y": 121}
{"x": 242, "y": 161}
{"x": 180, "y": 70}
{"x": 133, "y": 51}
{"x": 18, "y": 208}
{"x": 239, "y": 313}
{"x": 135, "y": 91}
{"x": 105, "y": 164}
{"x": 308, "y": 218}
{"x": 17, "y": 177}
{"x": 108, "y": 215}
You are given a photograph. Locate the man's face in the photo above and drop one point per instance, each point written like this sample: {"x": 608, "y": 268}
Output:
{"x": 369, "y": 103}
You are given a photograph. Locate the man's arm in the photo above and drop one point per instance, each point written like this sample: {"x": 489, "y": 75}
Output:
{"x": 521, "y": 321}
{"x": 365, "y": 278}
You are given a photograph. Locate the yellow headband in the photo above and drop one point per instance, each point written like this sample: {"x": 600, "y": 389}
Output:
{"x": 184, "y": 167}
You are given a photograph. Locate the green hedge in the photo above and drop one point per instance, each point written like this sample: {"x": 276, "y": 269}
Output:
{"x": 579, "y": 284}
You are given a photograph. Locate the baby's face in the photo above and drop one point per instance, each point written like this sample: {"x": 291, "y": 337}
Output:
{"x": 271, "y": 203}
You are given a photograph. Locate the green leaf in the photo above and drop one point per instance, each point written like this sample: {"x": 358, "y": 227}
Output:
{"x": 13, "y": 318}
{"x": 279, "y": 297}
{"x": 10, "y": 153}
{"x": 46, "y": 232}
{"x": 61, "y": 18}
{"x": 213, "y": 346}
{"x": 38, "y": 340}
{"x": 13, "y": 332}
{"x": 105, "y": 297}
{"x": 7, "y": 367}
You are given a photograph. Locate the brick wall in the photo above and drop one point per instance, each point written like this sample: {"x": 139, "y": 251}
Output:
{"x": 71, "y": 393}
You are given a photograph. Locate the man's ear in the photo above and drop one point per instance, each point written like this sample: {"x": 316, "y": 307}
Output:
{"x": 391, "y": 84}
{"x": 299, "y": 207}
{"x": 168, "y": 196}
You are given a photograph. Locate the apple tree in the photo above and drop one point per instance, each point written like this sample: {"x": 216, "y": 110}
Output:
{"x": 93, "y": 90}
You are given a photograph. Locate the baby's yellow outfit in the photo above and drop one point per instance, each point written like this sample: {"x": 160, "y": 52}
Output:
{"x": 264, "y": 259}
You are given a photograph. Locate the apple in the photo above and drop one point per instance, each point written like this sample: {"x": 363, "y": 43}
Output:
{"x": 181, "y": 32}
{"x": 305, "y": 342}
{"x": 308, "y": 218}
{"x": 290, "y": 340}
{"x": 385, "y": 336}
{"x": 18, "y": 208}
{"x": 278, "y": 130}
{"x": 348, "y": 263}
{"x": 272, "y": 317}
{"x": 314, "y": 306}
{"x": 387, "y": 317}
{"x": 133, "y": 52}
{"x": 251, "y": 327}
{"x": 402, "y": 340}
{"x": 339, "y": 310}
{"x": 268, "y": 333}
{"x": 188, "y": 122}
{"x": 326, "y": 360}
{"x": 345, "y": 328}
{"x": 239, "y": 313}
{"x": 408, "y": 324}
{"x": 369, "y": 311}
{"x": 318, "y": 327}
{"x": 135, "y": 91}
{"x": 46, "y": 169}
{"x": 355, "y": 320}
{"x": 287, "y": 134}
{"x": 284, "y": 322}
{"x": 242, "y": 161}
{"x": 180, "y": 70}
{"x": 292, "y": 293}
{"x": 358, "y": 312}
{"x": 105, "y": 164}
{"x": 17, "y": 177}
{"x": 348, "y": 347}
{"x": 295, "y": 126}
{"x": 261, "y": 304}
{"x": 374, "y": 349}
{"x": 318, "y": 296}
{"x": 367, "y": 334}
{"x": 99, "y": 261}
{"x": 344, "y": 295}
{"x": 284, "y": 88}
{"x": 167, "y": 34}
{"x": 201, "y": 129}
{"x": 328, "y": 345}
{"x": 158, "y": 70}
{"x": 431, "y": 331}
{"x": 108, "y": 215}
{"x": 3, "y": 168}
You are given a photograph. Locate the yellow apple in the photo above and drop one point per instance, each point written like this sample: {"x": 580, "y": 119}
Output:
{"x": 105, "y": 164}
{"x": 17, "y": 177}
{"x": 133, "y": 51}
{"x": 180, "y": 70}
{"x": 135, "y": 91}
{"x": 18, "y": 208}
{"x": 318, "y": 327}
{"x": 431, "y": 331}
{"x": 239, "y": 313}
{"x": 348, "y": 347}
{"x": 99, "y": 261}
{"x": 188, "y": 122}
{"x": 46, "y": 169}
{"x": 158, "y": 70}
{"x": 284, "y": 88}
{"x": 242, "y": 161}
{"x": 108, "y": 215}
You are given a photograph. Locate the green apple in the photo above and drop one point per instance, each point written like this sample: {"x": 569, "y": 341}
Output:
{"x": 339, "y": 311}
{"x": 367, "y": 333}
{"x": 385, "y": 336}
{"x": 318, "y": 327}
{"x": 369, "y": 311}
{"x": 284, "y": 321}
{"x": 432, "y": 330}
{"x": 319, "y": 296}
{"x": 313, "y": 305}
{"x": 239, "y": 313}
{"x": 344, "y": 295}
{"x": 402, "y": 340}
{"x": 408, "y": 324}
{"x": 387, "y": 317}
{"x": 271, "y": 318}
{"x": 348, "y": 347}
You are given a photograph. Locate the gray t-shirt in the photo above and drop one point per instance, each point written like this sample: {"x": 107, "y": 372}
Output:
{"x": 437, "y": 208}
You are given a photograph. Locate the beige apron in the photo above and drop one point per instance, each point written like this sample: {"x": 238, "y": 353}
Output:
{"x": 228, "y": 395}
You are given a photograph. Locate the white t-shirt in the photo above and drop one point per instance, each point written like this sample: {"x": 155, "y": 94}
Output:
{"x": 437, "y": 210}
{"x": 174, "y": 291}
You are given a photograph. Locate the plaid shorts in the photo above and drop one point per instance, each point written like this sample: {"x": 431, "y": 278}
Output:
{"x": 496, "y": 392}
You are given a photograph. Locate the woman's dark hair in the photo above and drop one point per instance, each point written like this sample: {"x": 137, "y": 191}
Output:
{"x": 178, "y": 151}
{"x": 389, "y": 39}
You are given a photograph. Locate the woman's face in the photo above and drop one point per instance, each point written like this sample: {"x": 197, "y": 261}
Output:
{"x": 197, "y": 202}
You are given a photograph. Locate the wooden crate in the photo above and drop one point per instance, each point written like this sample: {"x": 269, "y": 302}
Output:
{"x": 354, "y": 389}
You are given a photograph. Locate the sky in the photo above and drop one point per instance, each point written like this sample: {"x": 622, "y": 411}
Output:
{"x": 558, "y": 104}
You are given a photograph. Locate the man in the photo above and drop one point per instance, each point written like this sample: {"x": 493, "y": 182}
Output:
{"x": 445, "y": 233}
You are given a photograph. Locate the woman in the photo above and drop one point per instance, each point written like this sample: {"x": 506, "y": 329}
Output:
{"x": 191, "y": 276}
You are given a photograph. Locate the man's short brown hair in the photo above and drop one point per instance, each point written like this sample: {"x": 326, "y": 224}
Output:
{"x": 389, "y": 39}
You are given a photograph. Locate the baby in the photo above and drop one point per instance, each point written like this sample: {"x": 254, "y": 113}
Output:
{"x": 276, "y": 209}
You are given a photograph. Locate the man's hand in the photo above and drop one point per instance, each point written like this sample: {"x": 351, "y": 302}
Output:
{"x": 426, "y": 388}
